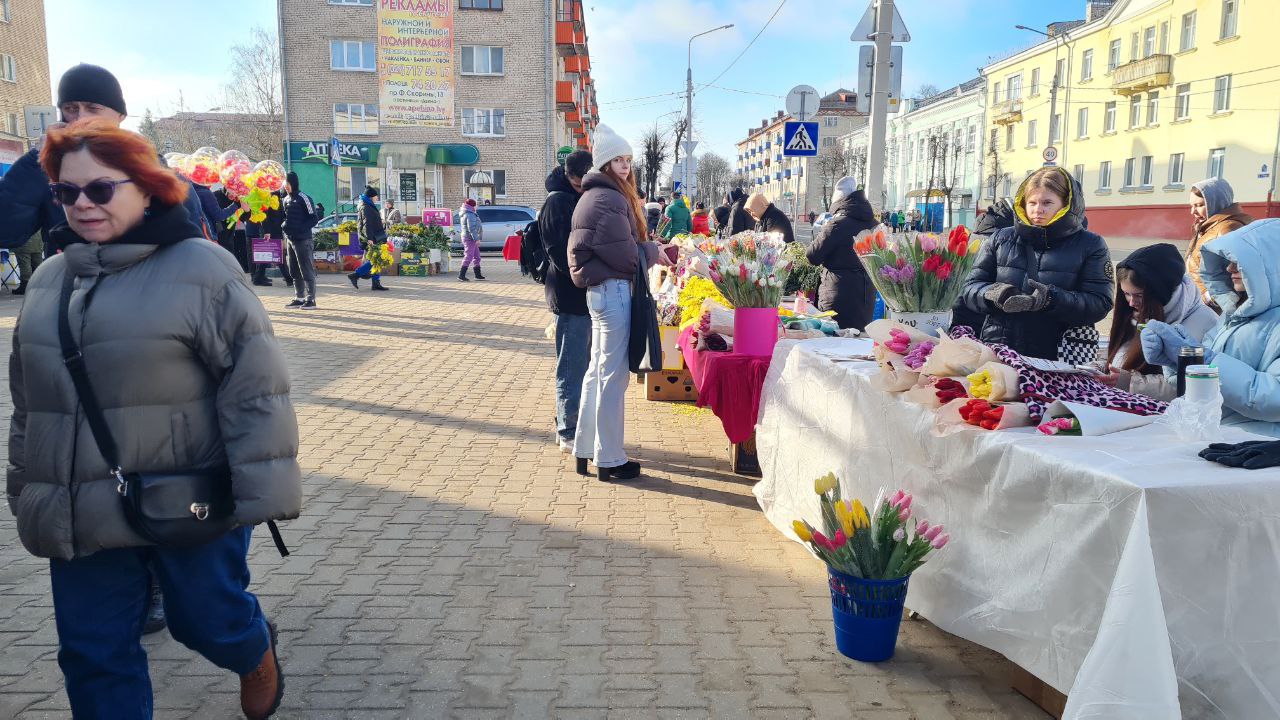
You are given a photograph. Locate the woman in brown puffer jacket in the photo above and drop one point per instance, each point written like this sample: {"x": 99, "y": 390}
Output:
{"x": 1216, "y": 213}
{"x": 605, "y": 249}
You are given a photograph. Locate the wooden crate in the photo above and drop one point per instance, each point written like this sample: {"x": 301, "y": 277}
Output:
{"x": 670, "y": 386}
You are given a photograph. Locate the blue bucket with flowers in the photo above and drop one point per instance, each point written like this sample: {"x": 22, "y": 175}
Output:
{"x": 870, "y": 558}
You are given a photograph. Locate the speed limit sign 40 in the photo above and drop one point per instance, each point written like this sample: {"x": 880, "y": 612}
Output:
{"x": 1050, "y": 155}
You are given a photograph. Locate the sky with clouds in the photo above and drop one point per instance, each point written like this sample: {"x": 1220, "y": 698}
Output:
{"x": 638, "y": 51}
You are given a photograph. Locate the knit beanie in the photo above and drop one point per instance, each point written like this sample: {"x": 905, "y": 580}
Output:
{"x": 608, "y": 145}
{"x": 370, "y": 191}
{"x": 845, "y": 186}
{"x": 90, "y": 83}
{"x": 470, "y": 202}
{"x": 757, "y": 204}
{"x": 1159, "y": 268}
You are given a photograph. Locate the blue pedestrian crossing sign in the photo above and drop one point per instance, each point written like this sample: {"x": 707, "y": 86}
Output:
{"x": 800, "y": 139}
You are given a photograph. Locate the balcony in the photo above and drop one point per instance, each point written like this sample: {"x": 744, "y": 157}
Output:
{"x": 1138, "y": 76}
{"x": 566, "y": 95}
{"x": 564, "y": 38}
{"x": 1007, "y": 112}
{"x": 577, "y": 64}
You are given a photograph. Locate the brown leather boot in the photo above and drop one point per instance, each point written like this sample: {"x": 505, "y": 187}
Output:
{"x": 262, "y": 689}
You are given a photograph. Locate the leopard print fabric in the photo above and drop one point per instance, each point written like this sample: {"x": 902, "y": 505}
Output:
{"x": 1039, "y": 389}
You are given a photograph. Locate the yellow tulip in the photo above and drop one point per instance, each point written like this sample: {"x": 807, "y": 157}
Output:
{"x": 974, "y": 244}
{"x": 825, "y": 484}
{"x": 860, "y": 514}
{"x": 802, "y": 530}
{"x": 844, "y": 513}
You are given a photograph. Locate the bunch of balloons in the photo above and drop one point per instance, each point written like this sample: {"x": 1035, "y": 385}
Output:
{"x": 254, "y": 186}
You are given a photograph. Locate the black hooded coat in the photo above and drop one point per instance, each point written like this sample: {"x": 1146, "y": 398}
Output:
{"x": 845, "y": 287}
{"x": 555, "y": 221}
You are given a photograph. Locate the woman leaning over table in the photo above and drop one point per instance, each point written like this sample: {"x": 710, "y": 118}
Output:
{"x": 606, "y": 246}
{"x": 1242, "y": 272}
{"x": 1151, "y": 284}
{"x": 182, "y": 359}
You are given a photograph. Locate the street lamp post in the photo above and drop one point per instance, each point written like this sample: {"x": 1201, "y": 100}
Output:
{"x": 688, "y": 106}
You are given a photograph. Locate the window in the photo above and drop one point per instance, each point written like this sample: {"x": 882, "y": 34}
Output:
{"x": 1175, "y": 168}
{"x": 1055, "y": 129}
{"x": 1113, "y": 55}
{"x": 1188, "y": 38}
{"x": 1130, "y": 165}
{"x": 1008, "y": 138}
{"x": 484, "y": 122}
{"x": 353, "y": 55}
{"x": 1182, "y": 102}
{"x": 1222, "y": 93}
{"x": 483, "y": 60}
{"x": 995, "y": 93}
{"x": 1230, "y": 16}
{"x": 1031, "y": 133}
{"x": 826, "y": 142}
{"x": 995, "y": 139}
{"x": 355, "y": 119}
{"x": 481, "y": 5}
{"x": 1147, "y": 163}
{"x": 351, "y": 2}
{"x": 355, "y": 178}
{"x": 1149, "y": 42}
{"x": 11, "y": 121}
{"x": 1217, "y": 162}
{"x": 1008, "y": 186}
{"x": 1133, "y": 47}
{"x": 4, "y": 14}
{"x": 1086, "y": 66}
{"x": 830, "y": 121}
{"x": 1015, "y": 87}
{"x": 1078, "y": 172}
{"x": 1035, "y": 82}
{"x": 1153, "y": 108}
{"x": 1060, "y": 75}
{"x": 499, "y": 178}
{"x": 1109, "y": 117}
{"x": 1104, "y": 175}
{"x": 8, "y": 69}
{"x": 1135, "y": 111}
{"x": 1164, "y": 37}
{"x": 973, "y": 138}
{"x": 1082, "y": 122}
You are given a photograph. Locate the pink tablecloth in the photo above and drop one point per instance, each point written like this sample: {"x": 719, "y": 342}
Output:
{"x": 729, "y": 384}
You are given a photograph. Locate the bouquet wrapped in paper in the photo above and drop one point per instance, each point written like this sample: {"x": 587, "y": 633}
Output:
{"x": 917, "y": 272}
{"x": 749, "y": 268}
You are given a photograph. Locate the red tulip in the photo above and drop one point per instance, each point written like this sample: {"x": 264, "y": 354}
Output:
{"x": 944, "y": 271}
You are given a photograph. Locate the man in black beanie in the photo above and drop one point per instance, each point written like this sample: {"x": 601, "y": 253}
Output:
{"x": 26, "y": 205}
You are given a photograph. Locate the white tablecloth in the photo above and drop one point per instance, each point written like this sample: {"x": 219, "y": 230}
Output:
{"x": 1122, "y": 570}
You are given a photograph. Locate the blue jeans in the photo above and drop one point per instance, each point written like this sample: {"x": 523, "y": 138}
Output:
{"x": 363, "y": 271}
{"x": 604, "y": 388}
{"x": 573, "y": 354}
{"x": 100, "y": 602}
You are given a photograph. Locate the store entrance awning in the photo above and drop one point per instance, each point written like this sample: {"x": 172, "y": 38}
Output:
{"x": 453, "y": 154}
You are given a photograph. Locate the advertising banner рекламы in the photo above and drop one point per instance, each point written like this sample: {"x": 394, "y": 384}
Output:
{"x": 415, "y": 62}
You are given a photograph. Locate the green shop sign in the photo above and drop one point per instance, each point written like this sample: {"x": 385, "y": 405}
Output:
{"x": 318, "y": 152}
{"x": 563, "y": 154}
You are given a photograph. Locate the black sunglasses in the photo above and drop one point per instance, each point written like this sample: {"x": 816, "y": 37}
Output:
{"x": 99, "y": 192}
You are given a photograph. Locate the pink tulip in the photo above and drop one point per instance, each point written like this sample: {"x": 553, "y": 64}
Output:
{"x": 895, "y": 498}
{"x": 941, "y": 541}
{"x": 839, "y": 540}
{"x": 904, "y": 513}
{"x": 906, "y": 501}
{"x": 933, "y": 533}
{"x": 821, "y": 541}
{"x": 929, "y": 242}
{"x": 922, "y": 527}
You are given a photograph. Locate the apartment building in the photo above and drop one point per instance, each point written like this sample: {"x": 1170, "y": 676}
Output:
{"x": 933, "y": 155}
{"x": 24, "y": 73}
{"x": 792, "y": 183}
{"x": 1152, "y": 96}
{"x": 434, "y": 101}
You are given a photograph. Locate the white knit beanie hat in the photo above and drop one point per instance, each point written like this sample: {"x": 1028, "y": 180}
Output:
{"x": 608, "y": 145}
{"x": 845, "y": 186}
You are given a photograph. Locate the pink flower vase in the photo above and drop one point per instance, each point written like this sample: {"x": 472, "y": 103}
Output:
{"x": 755, "y": 331}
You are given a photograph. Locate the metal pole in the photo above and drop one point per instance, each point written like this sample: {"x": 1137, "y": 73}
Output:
{"x": 284, "y": 83}
{"x": 688, "y": 109}
{"x": 880, "y": 102}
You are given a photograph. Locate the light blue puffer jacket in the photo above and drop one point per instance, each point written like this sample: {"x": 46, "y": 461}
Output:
{"x": 1246, "y": 344}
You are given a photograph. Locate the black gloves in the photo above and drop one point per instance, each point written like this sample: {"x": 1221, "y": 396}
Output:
{"x": 1034, "y": 302}
{"x": 1253, "y": 455}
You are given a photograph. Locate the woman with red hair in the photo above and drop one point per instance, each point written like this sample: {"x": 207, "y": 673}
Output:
{"x": 142, "y": 357}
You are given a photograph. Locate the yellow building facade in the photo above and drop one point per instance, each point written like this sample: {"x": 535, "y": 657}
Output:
{"x": 1152, "y": 97}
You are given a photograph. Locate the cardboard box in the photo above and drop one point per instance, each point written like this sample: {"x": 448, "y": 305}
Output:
{"x": 413, "y": 270}
{"x": 670, "y": 386}
{"x": 672, "y": 359}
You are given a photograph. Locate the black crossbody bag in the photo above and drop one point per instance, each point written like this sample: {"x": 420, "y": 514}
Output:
{"x": 644, "y": 344}
{"x": 170, "y": 509}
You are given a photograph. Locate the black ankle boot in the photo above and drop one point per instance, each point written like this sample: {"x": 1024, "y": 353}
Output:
{"x": 478, "y": 275}
{"x": 582, "y": 466}
{"x": 629, "y": 470}
{"x": 355, "y": 280}
{"x": 462, "y": 275}
{"x": 377, "y": 284}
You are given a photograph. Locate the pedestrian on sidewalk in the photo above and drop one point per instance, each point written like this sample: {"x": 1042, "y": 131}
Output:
{"x": 606, "y": 247}
{"x": 769, "y": 217}
{"x": 271, "y": 227}
{"x": 701, "y": 220}
{"x": 845, "y": 287}
{"x": 567, "y": 301}
{"x": 374, "y": 235}
{"x": 201, "y": 382}
{"x": 390, "y": 215}
{"x": 721, "y": 216}
{"x": 300, "y": 216}
{"x": 652, "y": 215}
{"x": 1216, "y": 213}
{"x": 679, "y": 219}
{"x": 472, "y": 234}
{"x": 29, "y": 257}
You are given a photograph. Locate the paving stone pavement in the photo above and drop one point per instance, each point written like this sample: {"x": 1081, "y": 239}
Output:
{"x": 449, "y": 563}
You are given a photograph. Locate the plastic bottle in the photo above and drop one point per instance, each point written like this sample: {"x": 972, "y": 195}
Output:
{"x": 878, "y": 313}
{"x": 1197, "y": 415}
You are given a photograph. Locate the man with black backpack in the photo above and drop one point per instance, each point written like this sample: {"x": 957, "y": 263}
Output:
{"x": 567, "y": 301}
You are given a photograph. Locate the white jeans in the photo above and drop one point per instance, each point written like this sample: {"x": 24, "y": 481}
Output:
{"x": 604, "y": 388}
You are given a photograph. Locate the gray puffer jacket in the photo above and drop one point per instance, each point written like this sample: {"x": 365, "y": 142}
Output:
{"x": 183, "y": 360}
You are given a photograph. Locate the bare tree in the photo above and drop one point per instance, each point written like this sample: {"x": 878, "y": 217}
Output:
{"x": 713, "y": 177}
{"x": 834, "y": 162}
{"x": 997, "y": 173}
{"x": 927, "y": 90}
{"x": 255, "y": 89}
{"x": 654, "y": 151}
{"x": 679, "y": 127}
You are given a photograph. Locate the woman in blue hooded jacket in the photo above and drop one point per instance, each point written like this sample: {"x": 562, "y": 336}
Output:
{"x": 1242, "y": 272}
